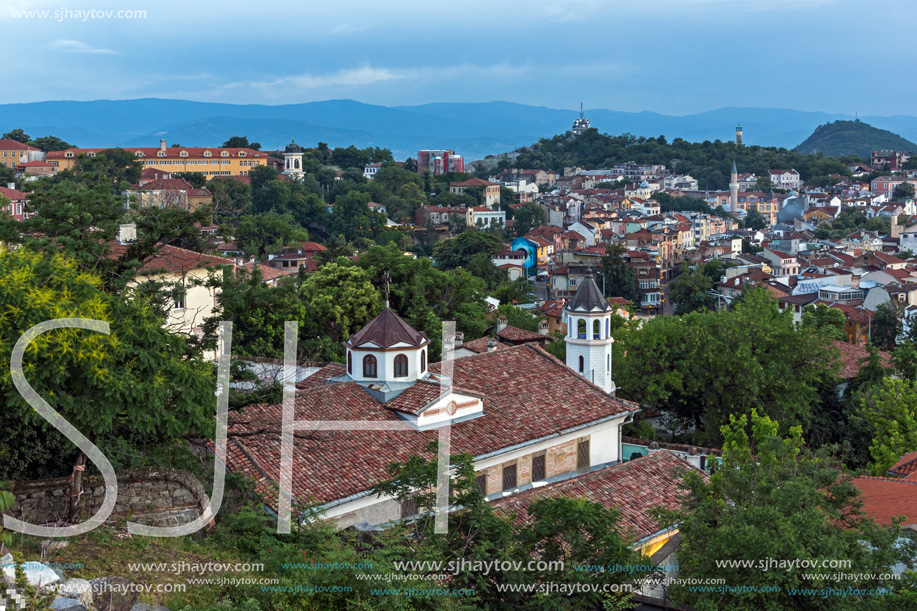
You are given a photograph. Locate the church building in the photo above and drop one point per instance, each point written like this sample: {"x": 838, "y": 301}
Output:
{"x": 527, "y": 418}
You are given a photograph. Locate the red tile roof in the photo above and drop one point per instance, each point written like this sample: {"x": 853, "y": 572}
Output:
{"x": 473, "y": 182}
{"x": 16, "y": 146}
{"x": 515, "y": 334}
{"x": 170, "y": 152}
{"x": 12, "y": 194}
{"x": 887, "y": 497}
{"x": 480, "y": 345}
{"x": 633, "y": 488}
{"x": 35, "y": 164}
{"x": 528, "y": 395}
{"x": 173, "y": 259}
{"x": 906, "y": 465}
{"x": 851, "y": 356}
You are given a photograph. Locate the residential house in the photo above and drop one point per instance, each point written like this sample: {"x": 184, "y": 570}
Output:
{"x": 14, "y": 153}
{"x": 491, "y": 190}
{"x": 782, "y": 263}
{"x": 17, "y": 201}
{"x": 785, "y": 179}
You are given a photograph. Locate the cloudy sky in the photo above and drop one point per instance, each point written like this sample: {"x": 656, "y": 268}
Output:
{"x": 668, "y": 56}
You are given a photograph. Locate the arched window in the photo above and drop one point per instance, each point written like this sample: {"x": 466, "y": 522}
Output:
{"x": 423, "y": 360}
{"x": 296, "y": 163}
{"x": 401, "y": 366}
{"x": 349, "y": 359}
{"x": 581, "y": 328}
{"x": 369, "y": 366}
{"x": 596, "y": 329}
{"x": 581, "y": 364}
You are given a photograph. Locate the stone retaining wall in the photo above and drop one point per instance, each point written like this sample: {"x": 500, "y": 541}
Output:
{"x": 157, "y": 497}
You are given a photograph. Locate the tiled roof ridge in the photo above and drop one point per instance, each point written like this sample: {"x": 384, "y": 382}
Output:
{"x": 899, "y": 480}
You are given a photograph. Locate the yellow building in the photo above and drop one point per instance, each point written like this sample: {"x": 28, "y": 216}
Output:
{"x": 13, "y": 153}
{"x": 210, "y": 162}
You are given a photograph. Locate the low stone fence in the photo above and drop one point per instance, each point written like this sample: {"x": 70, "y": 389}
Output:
{"x": 152, "y": 496}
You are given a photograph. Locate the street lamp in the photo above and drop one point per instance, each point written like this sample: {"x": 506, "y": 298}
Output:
{"x": 604, "y": 294}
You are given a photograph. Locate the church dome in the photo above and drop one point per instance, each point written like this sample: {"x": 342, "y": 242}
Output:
{"x": 293, "y": 148}
{"x": 387, "y": 330}
{"x": 588, "y": 298}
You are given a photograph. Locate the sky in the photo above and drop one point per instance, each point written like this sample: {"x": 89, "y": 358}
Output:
{"x": 670, "y": 56}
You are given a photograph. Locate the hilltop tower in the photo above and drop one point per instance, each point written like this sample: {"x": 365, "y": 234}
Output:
{"x": 581, "y": 124}
{"x": 589, "y": 335}
{"x": 738, "y": 135}
{"x": 733, "y": 189}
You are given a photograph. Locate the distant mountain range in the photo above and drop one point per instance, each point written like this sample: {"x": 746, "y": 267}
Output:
{"x": 471, "y": 129}
{"x": 852, "y": 137}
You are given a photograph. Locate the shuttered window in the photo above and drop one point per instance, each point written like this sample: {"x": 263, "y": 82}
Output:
{"x": 582, "y": 455}
{"x": 509, "y": 477}
{"x": 538, "y": 468}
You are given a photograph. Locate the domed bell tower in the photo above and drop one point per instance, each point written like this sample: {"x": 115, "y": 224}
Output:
{"x": 588, "y": 339}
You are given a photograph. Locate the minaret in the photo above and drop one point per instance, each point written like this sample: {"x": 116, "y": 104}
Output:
{"x": 733, "y": 189}
{"x": 292, "y": 161}
{"x": 738, "y": 135}
{"x": 588, "y": 339}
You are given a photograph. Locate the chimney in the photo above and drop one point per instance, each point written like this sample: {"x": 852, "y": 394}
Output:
{"x": 127, "y": 233}
{"x": 459, "y": 339}
{"x": 491, "y": 345}
{"x": 162, "y": 145}
{"x": 251, "y": 258}
{"x": 896, "y": 228}
{"x": 10, "y": 185}
{"x": 543, "y": 327}
{"x": 502, "y": 322}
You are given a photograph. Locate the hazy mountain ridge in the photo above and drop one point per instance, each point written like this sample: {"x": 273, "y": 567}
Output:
{"x": 852, "y": 138}
{"x": 472, "y": 129}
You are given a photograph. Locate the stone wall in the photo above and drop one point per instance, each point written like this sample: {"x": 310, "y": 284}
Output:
{"x": 157, "y": 497}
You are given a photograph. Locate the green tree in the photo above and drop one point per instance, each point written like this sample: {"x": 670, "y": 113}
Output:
{"x": 769, "y": 500}
{"x": 460, "y": 250}
{"x": 705, "y": 366}
{"x": 339, "y": 300}
{"x": 527, "y": 217}
{"x": 519, "y": 317}
{"x": 241, "y": 142}
{"x": 825, "y": 321}
{"x": 135, "y": 383}
{"x": 197, "y": 179}
{"x": 620, "y": 280}
{"x": 576, "y": 532}
{"x": 50, "y": 143}
{"x": 18, "y": 135}
{"x": 755, "y": 220}
{"x": 690, "y": 291}
{"x": 261, "y": 234}
{"x": 903, "y": 191}
{"x": 231, "y": 198}
{"x": 353, "y": 219}
{"x": 886, "y": 325}
{"x": 764, "y": 184}
{"x": 891, "y": 411}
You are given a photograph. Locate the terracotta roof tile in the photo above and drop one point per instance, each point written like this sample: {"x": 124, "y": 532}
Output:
{"x": 528, "y": 395}
{"x": 851, "y": 356}
{"x": 906, "y": 465}
{"x": 633, "y": 488}
{"x": 885, "y": 498}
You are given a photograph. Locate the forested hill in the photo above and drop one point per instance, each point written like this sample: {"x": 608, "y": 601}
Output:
{"x": 852, "y": 138}
{"x": 709, "y": 162}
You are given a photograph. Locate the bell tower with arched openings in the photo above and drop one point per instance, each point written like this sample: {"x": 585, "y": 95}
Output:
{"x": 292, "y": 161}
{"x": 588, "y": 339}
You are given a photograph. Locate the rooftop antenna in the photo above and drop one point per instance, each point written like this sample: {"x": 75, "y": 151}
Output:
{"x": 580, "y": 109}
{"x": 386, "y": 277}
